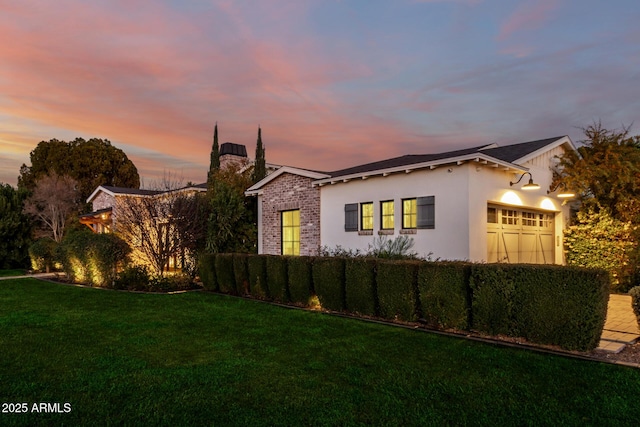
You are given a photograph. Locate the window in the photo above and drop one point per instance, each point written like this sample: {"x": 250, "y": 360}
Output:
{"x": 492, "y": 215}
{"x": 291, "y": 232}
{"x": 530, "y": 219}
{"x": 351, "y": 217}
{"x": 386, "y": 215}
{"x": 426, "y": 211}
{"x": 510, "y": 217}
{"x": 409, "y": 213}
{"x": 366, "y": 216}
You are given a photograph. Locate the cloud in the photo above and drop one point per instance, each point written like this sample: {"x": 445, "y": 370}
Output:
{"x": 529, "y": 15}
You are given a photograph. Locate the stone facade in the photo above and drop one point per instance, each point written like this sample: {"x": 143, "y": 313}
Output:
{"x": 288, "y": 192}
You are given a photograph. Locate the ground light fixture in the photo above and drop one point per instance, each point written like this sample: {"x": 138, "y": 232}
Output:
{"x": 528, "y": 186}
{"x": 563, "y": 193}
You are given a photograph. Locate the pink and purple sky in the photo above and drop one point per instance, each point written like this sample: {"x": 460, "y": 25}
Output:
{"x": 332, "y": 83}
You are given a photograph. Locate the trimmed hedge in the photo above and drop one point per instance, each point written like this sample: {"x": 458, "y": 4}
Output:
{"x": 444, "y": 294}
{"x": 546, "y": 304}
{"x": 328, "y": 281}
{"x": 397, "y": 289}
{"x": 277, "y": 277}
{"x": 300, "y": 281}
{"x": 361, "y": 295}
{"x": 241, "y": 273}
{"x": 258, "y": 283}
{"x": 225, "y": 273}
{"x": 207, "y": 269}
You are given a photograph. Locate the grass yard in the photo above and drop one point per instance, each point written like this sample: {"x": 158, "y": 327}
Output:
{"x": 206, "y": 359}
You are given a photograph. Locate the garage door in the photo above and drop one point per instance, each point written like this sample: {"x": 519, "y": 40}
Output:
{"x": 519, "y": 235}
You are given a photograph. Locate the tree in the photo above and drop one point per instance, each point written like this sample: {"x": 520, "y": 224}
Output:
{"x": 15, "y": 228}
{"x": 169, "y": 224}
{"x": 605, "y": 173}
{"x": 230, "y": 224}
{"x": 53, "y": 203}
{"x": 259, "y": 167}
{"x": 91, "y": 163}
{"x": 214, "y": 163}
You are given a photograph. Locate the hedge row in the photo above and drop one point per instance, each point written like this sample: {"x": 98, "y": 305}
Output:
{"x": 564, "y": 306}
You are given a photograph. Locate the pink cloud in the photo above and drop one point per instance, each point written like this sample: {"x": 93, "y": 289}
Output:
{"x": 529, "y": 15}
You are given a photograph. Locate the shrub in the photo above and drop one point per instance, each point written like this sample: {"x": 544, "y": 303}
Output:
{"x": 299, "y": 270}
{"x": 398, "y": 248}
{"x": 207, "y": 268}
{"x": 360, "y": 286}
{"x": 241, "y": 273}
{"x": 444, "y": 294}
{"x": 635, "y": 301}
{"x": 277, "y": 277}
{"x": 43, "y": 254}
{"x": 258, "y": 283}
{"x": 135, "y": 278}
{"x": 492, "y": 298}
{"x": 328, "y": 282}
{"x": 225, "y": 273}
{"x": 397, "y": 289}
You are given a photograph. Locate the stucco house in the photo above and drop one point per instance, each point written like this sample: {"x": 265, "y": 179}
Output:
{"x": 487, "y": 203}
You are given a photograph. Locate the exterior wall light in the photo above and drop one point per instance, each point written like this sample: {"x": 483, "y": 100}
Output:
{"x": 528, "y": 186}
{"x": 563, "y": 193}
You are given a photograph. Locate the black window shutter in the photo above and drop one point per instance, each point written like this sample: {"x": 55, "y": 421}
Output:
{"x": 351, "y": 217}
{"x": 426, "y": 212}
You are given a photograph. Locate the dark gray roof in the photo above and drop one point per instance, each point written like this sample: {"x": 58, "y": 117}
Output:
{"x": 233, "y": 149}
{"x": 511, "y": 153}
{"x": 131, "y": 191}
{"x": 508, "y": 153}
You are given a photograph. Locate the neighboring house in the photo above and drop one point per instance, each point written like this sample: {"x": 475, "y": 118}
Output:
{"x": 462, "y": 204}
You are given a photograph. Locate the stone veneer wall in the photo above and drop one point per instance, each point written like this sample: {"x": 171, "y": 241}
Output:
{"x": 288, "y": 192}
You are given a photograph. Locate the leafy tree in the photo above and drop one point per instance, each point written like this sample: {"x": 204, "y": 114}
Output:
{"x": 259, "y": 167}
{"x": 214, "y": 164}
{"x": 598, "y": 240}
{"x": 53, "y": 204}
{"x": 15, "y": 228}
{"x": 91, "y": 163}
{"x": 605, "y": 173}
{"x": 230, "y": 225}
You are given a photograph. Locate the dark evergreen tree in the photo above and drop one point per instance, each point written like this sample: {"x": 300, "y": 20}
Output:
{"x": 259, "y": 167}
{"x": 15, "y": 229}
{"x": 214, "y": 163}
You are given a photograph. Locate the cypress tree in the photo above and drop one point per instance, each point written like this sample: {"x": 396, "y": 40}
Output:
{"x": 214, "y": 164}
{"x": 259, "y": 167}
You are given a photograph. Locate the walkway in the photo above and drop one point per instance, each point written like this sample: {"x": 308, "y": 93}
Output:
{"x": 32, "y": 276}
{"x": 621, "y": 326}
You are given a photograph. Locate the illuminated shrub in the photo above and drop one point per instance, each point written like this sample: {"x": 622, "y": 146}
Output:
{"x": 43, "y": 254}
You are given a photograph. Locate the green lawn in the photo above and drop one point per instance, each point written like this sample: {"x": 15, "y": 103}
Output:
{"x": 205, "y": 359}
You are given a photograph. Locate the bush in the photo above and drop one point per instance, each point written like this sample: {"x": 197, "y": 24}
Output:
{"x": 444, "y": 294}
{"x": 397, "y": 289}
{"x": 43, "y": 254}
{"x": 241, "y": 273}
{"x": 328, "y": 282}
{"x": 635, "y": 301}
{"x": 360, "y": 286}
{"x": 225, "y": 273}
{"x": 277, "y": 277}
{"x": 134, "y": 278}
{"x": 545, "y": 304}
{"x": 207, "y": 268}
{"x": 299, "y": 270}
{"x": 258, "y": 282}
{"x": 92, "y": 258}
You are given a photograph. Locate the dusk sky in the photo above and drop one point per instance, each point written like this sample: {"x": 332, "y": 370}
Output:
{"x": 332, "y": 83}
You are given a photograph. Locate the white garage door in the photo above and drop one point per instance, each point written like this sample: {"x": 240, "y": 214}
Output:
{"x": 519, "y": 235}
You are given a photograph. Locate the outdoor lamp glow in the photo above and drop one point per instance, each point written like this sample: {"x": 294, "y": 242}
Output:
{"x": 528, "y": 186}
{"x": 563, "y": 193}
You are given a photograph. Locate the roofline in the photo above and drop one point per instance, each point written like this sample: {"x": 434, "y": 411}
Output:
{"x": 114, "y": 194}
{"x": 256, "y": 188}
{"x": 478, "y": 157}
{"x": 563, "y": 140}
